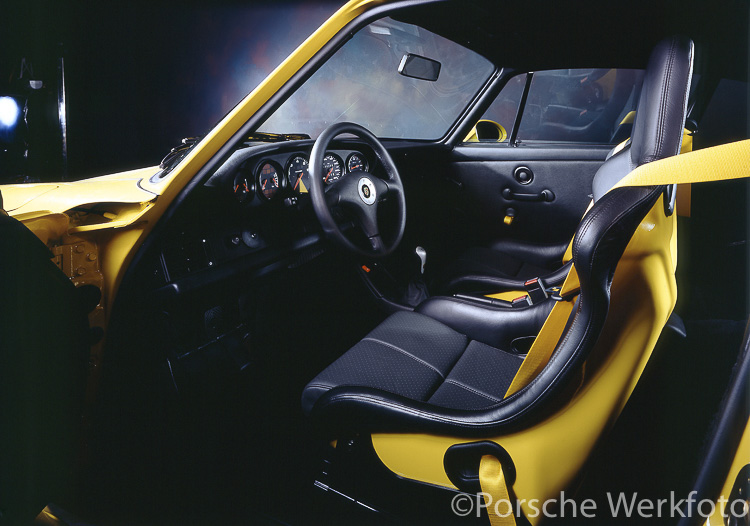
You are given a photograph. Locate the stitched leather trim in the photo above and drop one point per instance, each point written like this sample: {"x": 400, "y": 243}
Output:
{"x": 402, "y": 351}
{"x": 472, "y": 390}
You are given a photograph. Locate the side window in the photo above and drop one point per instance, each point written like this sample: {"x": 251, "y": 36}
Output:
{"x": 497, "y": 122}
{"x": 593, "y": 106}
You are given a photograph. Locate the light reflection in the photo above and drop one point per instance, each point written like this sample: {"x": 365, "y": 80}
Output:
{"x": 9, "y": 112}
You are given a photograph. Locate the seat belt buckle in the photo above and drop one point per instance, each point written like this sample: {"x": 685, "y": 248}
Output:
{"x": 554, "y": 293}
{"x": 521, "y": 301}
{"x": 536, "y": 290}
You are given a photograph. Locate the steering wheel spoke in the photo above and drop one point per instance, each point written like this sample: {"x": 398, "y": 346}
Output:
{"x": 391, "y": 189}
{"x": 332, "y": 196}
{"x": 368, "y": 220}
{"x": 359, "y": 192}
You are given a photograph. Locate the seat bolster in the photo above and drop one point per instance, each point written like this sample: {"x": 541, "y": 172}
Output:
{"x": 545, "y": 255}
{"x": 495, "y": 326}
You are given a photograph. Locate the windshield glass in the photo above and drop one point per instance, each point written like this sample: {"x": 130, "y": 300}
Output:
{"x": 361, "y": 83}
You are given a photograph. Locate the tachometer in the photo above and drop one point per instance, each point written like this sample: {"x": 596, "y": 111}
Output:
{"x": 268, "y": 180}
{"x": 299, "y": 177}
{"x": 356, "y": 162}
{"x": 332, "y": 170}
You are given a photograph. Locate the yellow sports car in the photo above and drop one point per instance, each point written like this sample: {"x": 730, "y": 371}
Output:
{"x": 452, "y": 262}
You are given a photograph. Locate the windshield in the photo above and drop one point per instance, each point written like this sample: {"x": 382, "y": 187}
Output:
{"x": 361, "y": 83}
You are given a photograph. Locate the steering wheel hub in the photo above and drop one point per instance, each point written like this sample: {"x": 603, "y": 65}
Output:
{"x": 367, "y": 191}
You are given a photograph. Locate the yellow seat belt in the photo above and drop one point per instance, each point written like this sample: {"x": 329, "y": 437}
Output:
{"x": 495, "y": 492}
{"x": 718, "y": 163}
{"x": 545, "y": 343}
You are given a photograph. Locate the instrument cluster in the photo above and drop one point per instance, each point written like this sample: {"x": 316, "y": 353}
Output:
{"x": 279, "y": 176}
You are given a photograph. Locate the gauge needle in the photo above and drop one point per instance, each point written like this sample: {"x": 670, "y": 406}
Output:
{"x": 246, "y": 188}
{"x": 328, "y": 175}
{"x": 236, "y": 188}
{"x": 297, "y": 183}
{"x": 264, "y": 185}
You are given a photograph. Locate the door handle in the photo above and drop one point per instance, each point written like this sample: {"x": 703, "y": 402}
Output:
{"x": 544, "y": 195}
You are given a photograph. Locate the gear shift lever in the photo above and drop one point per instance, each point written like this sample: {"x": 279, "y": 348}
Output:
{"x": 422, "y": 255}
{"x": 416, "y": 290}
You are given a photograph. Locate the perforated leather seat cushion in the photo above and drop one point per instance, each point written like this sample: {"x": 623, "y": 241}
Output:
{"x": 415, "y": 356}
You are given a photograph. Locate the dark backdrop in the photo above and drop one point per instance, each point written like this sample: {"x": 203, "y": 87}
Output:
{"x": 142, "y": 75}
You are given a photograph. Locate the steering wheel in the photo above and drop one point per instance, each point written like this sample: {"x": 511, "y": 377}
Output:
{"x": 359, "y": 192}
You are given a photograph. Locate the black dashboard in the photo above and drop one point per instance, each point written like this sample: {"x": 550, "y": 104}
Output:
{"x": 244, "y": 231}
{"x": 258, "y": 175}
{"x": 254, "y": 214}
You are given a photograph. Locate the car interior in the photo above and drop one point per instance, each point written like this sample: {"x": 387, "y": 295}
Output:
{"x": 340, "y": 316}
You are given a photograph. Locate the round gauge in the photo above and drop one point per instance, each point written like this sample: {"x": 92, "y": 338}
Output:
{"x": 332, "y": 169}
{"x": 299, "y": 177}
{"x": 356, "y": 162}
{"x": 268, "y": 180}
{"x": 243, "y": 188}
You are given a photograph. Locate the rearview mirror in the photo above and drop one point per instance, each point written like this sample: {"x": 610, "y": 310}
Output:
{"x": 418, "y": 67}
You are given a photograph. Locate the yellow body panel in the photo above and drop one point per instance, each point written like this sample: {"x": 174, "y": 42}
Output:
{"x": 16, "y": 196}
{"x": 61, "y": 197}
{"x": 549, "y": 455}
{"x": 508, "y": 295}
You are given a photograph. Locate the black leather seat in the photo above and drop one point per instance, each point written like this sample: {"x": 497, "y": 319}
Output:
{"x": 445, "y": 368}
{"x": 509, "y": 263}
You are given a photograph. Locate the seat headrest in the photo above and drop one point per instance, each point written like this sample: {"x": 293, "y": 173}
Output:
{"x": 660, "y": 117}
{"x": 660, "y": 114}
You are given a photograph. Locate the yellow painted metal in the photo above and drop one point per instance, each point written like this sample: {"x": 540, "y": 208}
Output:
{"x": 47, "y": 517}
{"x": 48, "y": 227}
{"x": 508, "y": 295}
{"x": 549, "y": 454}
{"x": 473, "y": 135}
{"x": 61, "y": 197}
{"x": 741, "y": 458}
{"x": 17, "y": 195}
{"x": 629, "y": 118}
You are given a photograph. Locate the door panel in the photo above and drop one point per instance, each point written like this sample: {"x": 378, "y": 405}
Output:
{"x": 551, "y": 204}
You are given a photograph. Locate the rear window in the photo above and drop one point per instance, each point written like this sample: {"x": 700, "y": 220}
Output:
{"x": 593, "y": 106}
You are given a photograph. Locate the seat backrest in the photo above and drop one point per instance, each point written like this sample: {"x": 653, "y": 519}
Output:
{"x": 660, "y": 114}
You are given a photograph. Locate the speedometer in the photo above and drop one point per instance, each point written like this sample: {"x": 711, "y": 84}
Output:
{"x": 332, "y": 169}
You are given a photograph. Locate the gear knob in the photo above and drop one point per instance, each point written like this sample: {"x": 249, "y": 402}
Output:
{"x": 422, "y": 255}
